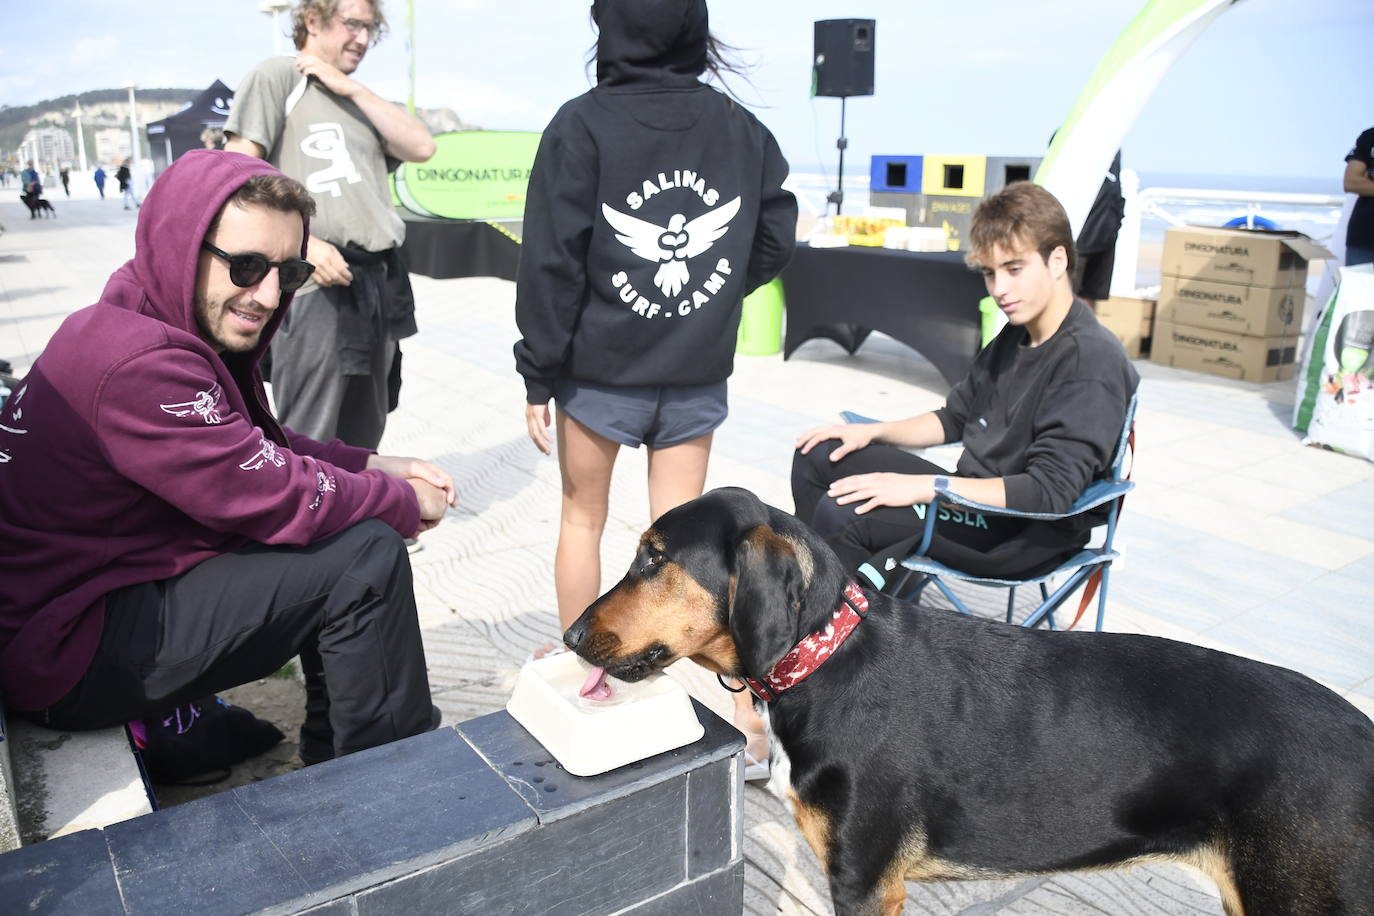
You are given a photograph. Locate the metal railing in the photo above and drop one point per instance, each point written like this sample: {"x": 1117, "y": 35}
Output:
{"x": 1161, "y": 203}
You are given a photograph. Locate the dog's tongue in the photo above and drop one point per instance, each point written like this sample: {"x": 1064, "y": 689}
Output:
{"x": 595, "y": 687}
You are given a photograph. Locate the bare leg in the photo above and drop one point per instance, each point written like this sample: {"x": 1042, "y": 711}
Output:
{"x": 585, "y": 461}
{"x": 677, "y": 474}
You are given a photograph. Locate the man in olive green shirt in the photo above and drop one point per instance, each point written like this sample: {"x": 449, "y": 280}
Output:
{"x": 309, "y": 117}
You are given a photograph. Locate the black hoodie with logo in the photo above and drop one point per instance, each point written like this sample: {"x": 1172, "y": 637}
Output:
{"x": 655, "y": 205}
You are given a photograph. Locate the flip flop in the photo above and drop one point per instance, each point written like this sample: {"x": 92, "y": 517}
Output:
{"x": 755, "y": 770}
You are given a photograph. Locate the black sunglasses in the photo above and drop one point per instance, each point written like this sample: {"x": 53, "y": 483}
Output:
{"x": 250, "y": 269}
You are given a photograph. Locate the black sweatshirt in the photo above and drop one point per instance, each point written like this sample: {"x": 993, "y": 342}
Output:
{"x": 1046, "y": 419}
{"x": 655, "y": 205}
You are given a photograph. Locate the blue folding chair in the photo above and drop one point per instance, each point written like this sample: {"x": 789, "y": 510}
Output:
{"x": 1091, "y": 565}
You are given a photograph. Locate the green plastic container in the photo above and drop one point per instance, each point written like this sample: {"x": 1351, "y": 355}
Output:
{"x": 987, "y": 306}
{"x": 760, "y": 323}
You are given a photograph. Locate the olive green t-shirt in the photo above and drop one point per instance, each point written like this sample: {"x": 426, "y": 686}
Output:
{"x": 326, "y": 143}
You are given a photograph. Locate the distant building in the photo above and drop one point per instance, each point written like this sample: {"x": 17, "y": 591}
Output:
{"x": 49, "y": 146}
{"x": 112, "y": 145}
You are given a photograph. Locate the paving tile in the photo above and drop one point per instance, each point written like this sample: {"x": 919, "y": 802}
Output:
{"x": 1206, "y": 582}
{"x": 1236, "y": 489}
{"x": 1229, "y": 450}
{"x": 1251, "y": 526}
{"x": 1321, "y": 629}
{"x": 1128, "y": 892}
{"x": 1348, "y": 510}
{"x": 1138, "y": 534}
{"x": 1169, "y": 467}
{"x": 1312, "y": 469}
{"x": 1361, "y": 568}
{"x": 1307, "y": 542}
{"x": 1158, "y": 429}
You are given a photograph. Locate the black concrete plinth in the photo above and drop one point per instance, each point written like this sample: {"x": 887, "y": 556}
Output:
{"x": 477, "y": 819}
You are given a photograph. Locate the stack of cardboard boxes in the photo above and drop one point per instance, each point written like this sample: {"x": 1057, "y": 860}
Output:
{"x": 1231, "y": 301}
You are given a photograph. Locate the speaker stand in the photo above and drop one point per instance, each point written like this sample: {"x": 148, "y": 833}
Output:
{"x": 836, "y": 196}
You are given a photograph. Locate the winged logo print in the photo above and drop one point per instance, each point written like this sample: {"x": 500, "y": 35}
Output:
{"x": 267, "y": 454}
{"x": 670, "y": 247}
{"x": 205, "y": 403}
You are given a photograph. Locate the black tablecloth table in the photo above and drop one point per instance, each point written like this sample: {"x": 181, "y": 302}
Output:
{"x": 927, "y": 300}
{"x": 447, "y": 248}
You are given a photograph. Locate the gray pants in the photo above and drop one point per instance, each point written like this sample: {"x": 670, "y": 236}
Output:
{"x": 309, "y": 389}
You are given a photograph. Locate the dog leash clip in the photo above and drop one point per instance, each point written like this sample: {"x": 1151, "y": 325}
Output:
{"x": 854, "y": 596}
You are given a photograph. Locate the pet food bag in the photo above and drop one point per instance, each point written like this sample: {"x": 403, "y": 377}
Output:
{"x": 1335, "y": 404}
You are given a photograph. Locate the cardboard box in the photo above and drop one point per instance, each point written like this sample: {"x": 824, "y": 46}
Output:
{"x": 1251, "y": 257}
{"x": 1237, "y": 356}
{"x": 1259, "y": 311}
{"x": 1131, "y": 320}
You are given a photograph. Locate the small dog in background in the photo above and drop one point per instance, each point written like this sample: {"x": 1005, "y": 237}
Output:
{"x": 38, "y": 205}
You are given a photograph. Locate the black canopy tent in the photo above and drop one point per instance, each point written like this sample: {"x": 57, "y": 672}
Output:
{"x": 175, "y": 134}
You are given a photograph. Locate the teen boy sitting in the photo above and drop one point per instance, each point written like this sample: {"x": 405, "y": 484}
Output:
{"x": 1039, "y": 414}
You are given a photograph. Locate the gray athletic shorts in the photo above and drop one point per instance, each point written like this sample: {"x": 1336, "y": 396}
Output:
{"x": 656, "y": 417}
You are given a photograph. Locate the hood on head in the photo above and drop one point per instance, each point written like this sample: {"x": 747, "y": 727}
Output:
{"x": 161, "y": 279}
{"x": 642, "y": 39}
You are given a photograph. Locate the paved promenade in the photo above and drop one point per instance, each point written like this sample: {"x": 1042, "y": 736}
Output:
{"x": 1236, "y": 537}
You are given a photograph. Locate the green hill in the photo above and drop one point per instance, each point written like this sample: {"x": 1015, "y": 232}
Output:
{"x": 98, "y": 105}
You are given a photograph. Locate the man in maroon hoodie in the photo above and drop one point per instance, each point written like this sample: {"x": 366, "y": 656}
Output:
{"x": 162, "y": 537}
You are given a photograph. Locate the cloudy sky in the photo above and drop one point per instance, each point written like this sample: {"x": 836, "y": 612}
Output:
{"x": 1273, "y": 88}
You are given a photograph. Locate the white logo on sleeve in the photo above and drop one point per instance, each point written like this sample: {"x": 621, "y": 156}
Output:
{"x": 326, "y": 141}
{"x": 266, "y": 455}
{"x": 324, "y": 483}
{"x": 205, "y": 404}
{"x": 18, "y": 414}
{"x": 673, "y": 245}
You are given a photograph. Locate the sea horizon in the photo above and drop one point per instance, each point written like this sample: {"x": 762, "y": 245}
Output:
{"x": 856, "y": 177}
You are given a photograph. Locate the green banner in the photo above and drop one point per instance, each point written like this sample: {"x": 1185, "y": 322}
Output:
{"x": 474, "y": 174}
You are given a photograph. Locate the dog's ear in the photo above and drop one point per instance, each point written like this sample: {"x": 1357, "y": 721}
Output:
{"x": 766, "y": 587}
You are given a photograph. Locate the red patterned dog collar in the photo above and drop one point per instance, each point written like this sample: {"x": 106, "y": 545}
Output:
{"x": 807, "y": 655}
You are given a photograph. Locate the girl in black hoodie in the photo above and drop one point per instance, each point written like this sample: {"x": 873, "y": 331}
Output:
{"x": 655, "y": 205}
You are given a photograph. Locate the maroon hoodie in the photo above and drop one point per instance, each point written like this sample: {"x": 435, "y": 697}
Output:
{"x": 132, "y": 451}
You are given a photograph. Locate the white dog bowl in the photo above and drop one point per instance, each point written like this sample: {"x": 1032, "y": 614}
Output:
{"x": 589, "y": 737}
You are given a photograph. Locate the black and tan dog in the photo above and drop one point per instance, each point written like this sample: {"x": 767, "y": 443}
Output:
{"x": 930, "y": 746}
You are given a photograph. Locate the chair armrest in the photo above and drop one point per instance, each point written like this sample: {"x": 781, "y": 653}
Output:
{"x": 1100, "y": 493}
{"x": 1097, "y": 493}
{"x": 850, "y": 416}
